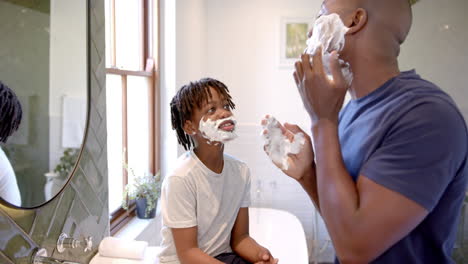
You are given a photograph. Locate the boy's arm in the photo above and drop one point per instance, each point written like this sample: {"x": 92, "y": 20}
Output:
{"x": 246, "y": 247}
{"x": 185, "y": 240}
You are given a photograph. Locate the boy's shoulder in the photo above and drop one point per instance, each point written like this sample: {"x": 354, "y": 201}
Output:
{"x": 235, "y": 162}
{"x": 184, "y": 165}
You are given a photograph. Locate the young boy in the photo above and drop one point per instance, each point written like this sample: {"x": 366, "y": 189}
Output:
{"x": 10, "y": 119}
{"x": 205, "y": 199}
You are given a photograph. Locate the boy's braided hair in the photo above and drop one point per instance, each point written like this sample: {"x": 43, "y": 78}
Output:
{"x": 10, "y": 112}
{"x": 190, "y": 96}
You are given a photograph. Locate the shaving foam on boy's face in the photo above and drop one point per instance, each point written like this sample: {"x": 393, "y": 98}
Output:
{"x": 329, "y": 33}
{"x": 277, "y": 145}
{"x": 221, "y": 130}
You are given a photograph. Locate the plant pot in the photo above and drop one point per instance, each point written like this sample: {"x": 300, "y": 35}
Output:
{"x": 53, "y": 184}
{"x": 141, "y": 209}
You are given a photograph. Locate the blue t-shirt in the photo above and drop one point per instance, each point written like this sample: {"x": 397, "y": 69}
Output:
{"x": 409, "y": 136}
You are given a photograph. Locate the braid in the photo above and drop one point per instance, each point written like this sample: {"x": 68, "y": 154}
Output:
{"x": 183, "y": 139}
{"x": 10, "y": 112}
{"x": 190, "y": 96}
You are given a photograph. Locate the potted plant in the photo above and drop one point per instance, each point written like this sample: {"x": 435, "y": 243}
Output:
{"x": 145, "y": 190}
{"x": 67, "y": 162}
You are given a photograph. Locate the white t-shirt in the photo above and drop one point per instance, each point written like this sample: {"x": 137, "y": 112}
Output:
{"x": 193, "y": 195}
{"x": 8, "y": 187}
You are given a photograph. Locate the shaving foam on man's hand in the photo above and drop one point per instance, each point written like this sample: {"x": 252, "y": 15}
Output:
{"x": 329, "y": 33}
{"x": 277, "y": 145}
{"x": 221, "y": 130}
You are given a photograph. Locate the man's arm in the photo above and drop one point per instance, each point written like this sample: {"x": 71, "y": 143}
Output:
{"x": 301, "y": 165}
{"x": 246, "y": 247}
{"x": 363, "y": 219}
{"x": 185, "y": 240}
{"x": 356, "y": 228}
{"x": 304, "y": 173}
{"x": 308, "y": 181}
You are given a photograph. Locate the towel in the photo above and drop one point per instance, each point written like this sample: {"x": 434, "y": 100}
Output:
{"x": 73, "y": 121}
{"x": 120, "y": 248}
{"x": 150, "y": 257}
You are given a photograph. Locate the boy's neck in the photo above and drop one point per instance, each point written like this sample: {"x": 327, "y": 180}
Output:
{"x": 211, "y": 156}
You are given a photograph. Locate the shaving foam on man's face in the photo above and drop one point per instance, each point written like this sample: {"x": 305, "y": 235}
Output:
{"x": 221, "y": 130}
{"x": 329, "y": 33}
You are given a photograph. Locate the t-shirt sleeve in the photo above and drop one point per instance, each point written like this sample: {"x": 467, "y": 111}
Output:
{"x": 246, "y": 196}
{"x": 178, "y": 203}
{"x": 9, "y": 190}
{"x": 421, "y": 154}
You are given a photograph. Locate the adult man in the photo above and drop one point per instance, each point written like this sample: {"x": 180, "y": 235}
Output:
{"x": 390, "y": 170}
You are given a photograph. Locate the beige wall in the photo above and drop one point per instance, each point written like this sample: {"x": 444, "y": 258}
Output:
{"x": 436, "y": 46}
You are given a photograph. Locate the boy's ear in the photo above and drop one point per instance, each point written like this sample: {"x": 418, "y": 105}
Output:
{"x": 358, "y": 21}
{"x": 189, "y": 127}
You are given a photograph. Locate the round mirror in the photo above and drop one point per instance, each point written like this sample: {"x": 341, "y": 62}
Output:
{"x": 44, "y": 62}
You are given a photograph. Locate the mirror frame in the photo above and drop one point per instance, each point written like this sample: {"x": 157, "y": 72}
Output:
{"x": 88, "y": 110}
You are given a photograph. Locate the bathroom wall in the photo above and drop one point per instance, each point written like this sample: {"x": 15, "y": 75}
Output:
{"x": 436, "y": 46}
{"x": 191, "y": 40}
{"x": 238, "y": 43}
{"x": 82, "y": 208}
{"x": 67, "y": 33}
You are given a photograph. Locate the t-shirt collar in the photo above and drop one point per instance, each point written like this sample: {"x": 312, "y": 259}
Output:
{"x": 381, "y": 91}
{"x": 203, "y": 166}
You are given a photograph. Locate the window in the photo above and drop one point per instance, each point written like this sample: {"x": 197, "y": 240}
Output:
{"x": 131, "y": 95}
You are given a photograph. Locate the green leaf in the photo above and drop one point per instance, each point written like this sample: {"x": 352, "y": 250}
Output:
{"x": 146, "y": 186}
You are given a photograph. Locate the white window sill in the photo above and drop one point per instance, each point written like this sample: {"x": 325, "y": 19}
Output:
{"x": 139, "y": 229}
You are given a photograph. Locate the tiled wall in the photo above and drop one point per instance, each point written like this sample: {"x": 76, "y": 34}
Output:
{"x": 81, "y": 209}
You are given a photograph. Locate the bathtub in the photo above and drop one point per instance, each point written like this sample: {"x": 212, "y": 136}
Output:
{"x": 281, "y": 232}
{"x": 278, "y": 230}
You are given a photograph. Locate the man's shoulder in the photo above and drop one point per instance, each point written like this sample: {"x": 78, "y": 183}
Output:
{"x": 426, "y": 109}
{"x": 413, "y": 93}
{"x": 414, "y": 87}
{"x": 431, "y": 102}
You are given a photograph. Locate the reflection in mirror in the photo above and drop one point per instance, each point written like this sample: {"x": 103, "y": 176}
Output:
{"x": 44, "y": 62}
{"x": 10, "y": 119}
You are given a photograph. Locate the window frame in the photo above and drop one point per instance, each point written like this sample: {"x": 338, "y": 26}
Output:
{"x": 150, "y": 40}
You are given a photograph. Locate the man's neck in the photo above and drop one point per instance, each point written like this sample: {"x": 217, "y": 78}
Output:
{"x": 369, "y": 75}
{"x": 211, "y": 156}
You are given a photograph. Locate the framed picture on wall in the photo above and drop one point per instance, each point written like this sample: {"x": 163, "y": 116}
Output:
{"x": 293, "y": 32}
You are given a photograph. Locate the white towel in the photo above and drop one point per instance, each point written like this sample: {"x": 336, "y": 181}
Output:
{"x": 73, "y": 121}
{"x": 151, "y": 257}
{"x": 121, "y": 248}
